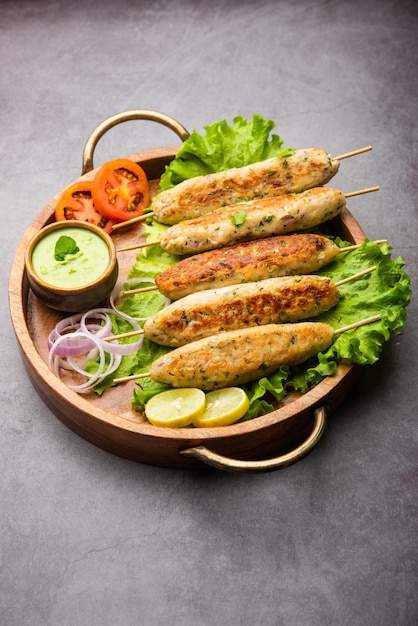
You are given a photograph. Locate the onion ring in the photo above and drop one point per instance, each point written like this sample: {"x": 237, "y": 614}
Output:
{"x": 76, "y": 336}
{"x": 93, "y": 378}
{"x": 84, "y": 343}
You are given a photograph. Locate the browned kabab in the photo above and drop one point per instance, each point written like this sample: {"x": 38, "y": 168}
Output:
{"x": 246, "y": 262}
{"x": 274, "y": 300}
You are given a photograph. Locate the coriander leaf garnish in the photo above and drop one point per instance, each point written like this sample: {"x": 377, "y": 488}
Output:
{"x": 65, "y": 245}
{"x": 239, "y": 218}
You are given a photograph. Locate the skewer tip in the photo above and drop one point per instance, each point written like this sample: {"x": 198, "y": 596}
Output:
{"x": 353, "y": 153}
{"x": 367, "y": 320}
{"x": 134, "y": 220}
{"x": 359, "y": 192}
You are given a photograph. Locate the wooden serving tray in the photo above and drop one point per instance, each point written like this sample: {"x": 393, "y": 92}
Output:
{"x": 265, "y": 443}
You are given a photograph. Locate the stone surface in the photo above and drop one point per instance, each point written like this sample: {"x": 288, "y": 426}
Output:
{"x": 89, "y": 538}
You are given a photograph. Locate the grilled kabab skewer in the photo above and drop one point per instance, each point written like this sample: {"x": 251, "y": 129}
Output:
{"x": 274, "y": 300}
{"x": 254, "y": 220}
{"x": 305, "y": 169}
{"x": 246, "y": 262}
{"x": 239, "y": 356}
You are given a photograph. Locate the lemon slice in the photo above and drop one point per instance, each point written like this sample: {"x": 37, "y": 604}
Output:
{"x": 175, "y": 408}
{"x": 223, "y": 407}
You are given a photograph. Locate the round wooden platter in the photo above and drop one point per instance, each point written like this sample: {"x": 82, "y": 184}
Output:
{"x": 265, "y": 443}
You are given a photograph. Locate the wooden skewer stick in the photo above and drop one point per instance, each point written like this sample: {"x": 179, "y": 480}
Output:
{"x": 131, "y": 292}
{"x": 353, "y": 153}
{"x": 367, "y": 320}
{"x": 343, "y": 329}
{"x": 134, "y": 220}
{"x": 361, "y": 191}
{"x": 354, "y": 276}
{"x": 131, "y": 333}
{"x": 125, "y": 379}
{"x": 357, "y": 245}
{"x": 154, "y": 243}
{"x": 134, "y": 246}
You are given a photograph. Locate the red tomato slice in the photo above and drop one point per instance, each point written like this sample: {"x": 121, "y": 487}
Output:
{"x": 121, "y": 190}
{"x": 76, "y": 203}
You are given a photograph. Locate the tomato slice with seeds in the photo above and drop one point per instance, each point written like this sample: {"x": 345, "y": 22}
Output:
{"x": 76, "y": 203}
{"x": 121, "y": 190}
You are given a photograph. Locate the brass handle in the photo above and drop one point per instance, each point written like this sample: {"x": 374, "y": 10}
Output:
{"x": 219, "y": 461}
{"x": 125, "y": 116}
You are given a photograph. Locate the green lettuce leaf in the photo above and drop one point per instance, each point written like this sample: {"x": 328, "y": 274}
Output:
{"x": 224, "y": 147}
{"x": 385, "y": 291}
{"x": 152, "y": 260}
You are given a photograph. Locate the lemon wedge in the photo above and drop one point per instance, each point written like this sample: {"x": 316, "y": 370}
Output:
{"x": 176, "y": 408}
{"x": 223, "y": 407}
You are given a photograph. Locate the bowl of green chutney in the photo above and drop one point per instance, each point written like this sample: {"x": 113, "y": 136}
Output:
{"x": 71, "y": 265}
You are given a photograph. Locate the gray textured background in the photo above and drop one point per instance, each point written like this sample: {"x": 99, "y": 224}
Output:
{"x": 89, "y": 538}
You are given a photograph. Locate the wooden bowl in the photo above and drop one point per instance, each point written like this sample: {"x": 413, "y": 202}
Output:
{"x": 90, "y": 292}
{"x": 265, "y": 443}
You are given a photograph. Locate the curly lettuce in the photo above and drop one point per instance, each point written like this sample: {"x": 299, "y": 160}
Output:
{"x": 222, "y": 147}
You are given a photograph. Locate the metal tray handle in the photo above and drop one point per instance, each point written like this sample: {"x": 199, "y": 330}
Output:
{"x": 125, "y": 116}
{"x": 201, "y": 453}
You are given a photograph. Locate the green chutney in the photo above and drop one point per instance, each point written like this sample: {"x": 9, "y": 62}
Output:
{"x": 76, "y": 270}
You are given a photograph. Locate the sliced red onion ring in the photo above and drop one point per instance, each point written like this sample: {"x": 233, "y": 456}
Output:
{"x": 66, "y": 362}
{"x": 110, "y": 346}
{"x": 95, "y": 314}
{"x": 104, "y": 369}
{"x": 76, "y": 336}
{"x": 69, "y": 347}
{"x": 87, "y": 338}
{"x": 84, "y": 343}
